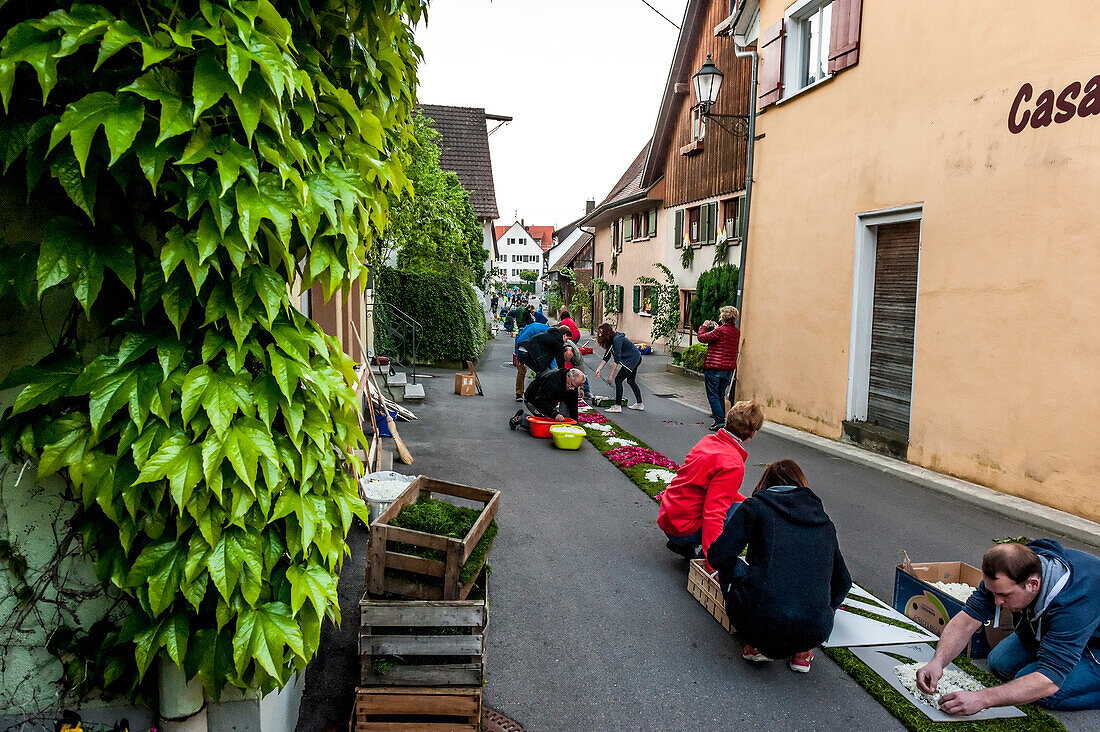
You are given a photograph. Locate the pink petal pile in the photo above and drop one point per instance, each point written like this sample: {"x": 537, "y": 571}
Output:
{"x": 628, "y": 457}
{"x": 592, "y": 419}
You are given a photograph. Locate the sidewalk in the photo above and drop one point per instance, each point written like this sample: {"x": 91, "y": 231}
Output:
{"x": 691, "y": 394}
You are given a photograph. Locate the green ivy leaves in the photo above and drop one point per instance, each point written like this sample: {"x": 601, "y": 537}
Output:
{"x": 192, "y": 167}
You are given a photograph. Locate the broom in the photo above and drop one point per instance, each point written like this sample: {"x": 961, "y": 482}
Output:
{"x": 402, "y": 450}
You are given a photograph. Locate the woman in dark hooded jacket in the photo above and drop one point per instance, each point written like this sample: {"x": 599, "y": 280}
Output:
{"x": 783, "y": 596}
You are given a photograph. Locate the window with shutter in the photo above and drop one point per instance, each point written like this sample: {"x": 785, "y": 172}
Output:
{"x": 622, "y": 298}
{"x": 771, "y": 65}
{"x": 637, "y": 298}
{"x": 652, "y": 221}
{"x": 844, "y": 36}
{"x": 704, "y": 224}
{"x": 628, "y": 228}
{"x": 678, "y": 230}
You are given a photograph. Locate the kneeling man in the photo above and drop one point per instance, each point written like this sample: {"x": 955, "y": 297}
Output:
{"x": 548, "y": 394}
{"x": 1053, "y": 656}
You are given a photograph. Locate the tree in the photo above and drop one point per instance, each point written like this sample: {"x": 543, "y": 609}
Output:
{"x": 435, "y": 227}
{"x": 528, "y": 275}
{"x": 716, "y": 287}
{"x": 202, "y": 426}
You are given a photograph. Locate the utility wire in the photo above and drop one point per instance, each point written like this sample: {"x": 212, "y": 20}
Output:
{"x": 655, "y": 10}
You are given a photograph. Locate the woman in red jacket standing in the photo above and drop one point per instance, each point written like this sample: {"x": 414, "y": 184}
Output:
{"x": 722, "y": 341}
{"x": 707, "y": 487}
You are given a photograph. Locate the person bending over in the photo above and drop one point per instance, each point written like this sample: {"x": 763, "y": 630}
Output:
{"x": 626, "y": 358}
{"x": 782, "y": 598}
{"x": 553, "y": 395}
{"x": 1053, "y": 656}
{"x": 568, "y": 322}
{"x": 528, "y": 331}
{"x": 543, "y": 351}
{"x": 706, "y": 489}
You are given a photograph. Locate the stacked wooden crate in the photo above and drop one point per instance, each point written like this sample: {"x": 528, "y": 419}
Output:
{"x": 422, "y": 630}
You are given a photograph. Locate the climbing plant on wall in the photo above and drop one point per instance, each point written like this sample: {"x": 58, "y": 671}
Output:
{"x": 182, "y": 164}
{"x": 666, "y": 307}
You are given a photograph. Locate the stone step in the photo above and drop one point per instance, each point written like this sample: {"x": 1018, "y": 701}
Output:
{"x": 397, "y": 379}
{"x": 414, "y": 392}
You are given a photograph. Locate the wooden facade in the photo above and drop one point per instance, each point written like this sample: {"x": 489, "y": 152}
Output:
{"x": 719, "y": 166}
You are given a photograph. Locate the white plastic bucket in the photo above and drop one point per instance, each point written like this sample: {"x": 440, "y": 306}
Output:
{"x": 381, "y": 489}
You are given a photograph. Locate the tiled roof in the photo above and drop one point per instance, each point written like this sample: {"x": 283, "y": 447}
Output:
{"x": 578, "y": 246}
{"x": 631, "y": 182}
{"x": 545, "y": 233}
{"x": 464, "y": 143}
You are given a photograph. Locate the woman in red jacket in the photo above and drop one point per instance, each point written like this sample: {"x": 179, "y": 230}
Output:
{"x": 707, "y": 487}
{"x": 722, "y": 342}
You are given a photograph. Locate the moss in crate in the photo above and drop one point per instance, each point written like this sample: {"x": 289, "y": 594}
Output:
{"x": 433, "y": 516}
{"x": 904, "y": 710}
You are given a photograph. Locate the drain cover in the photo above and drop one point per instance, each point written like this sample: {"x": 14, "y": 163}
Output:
{"x": 494, "y": 721}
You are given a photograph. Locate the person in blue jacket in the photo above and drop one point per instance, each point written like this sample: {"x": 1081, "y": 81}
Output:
{"x": 626, "y": 358}
{"x": 1053, "y": 656}
{"x": 531, "y": 329}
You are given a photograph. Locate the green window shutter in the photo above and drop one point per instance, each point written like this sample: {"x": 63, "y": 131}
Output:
{"x": 653, "y": 222}
{"x": 704, "y": 224}
{"x": 740, "y": 217}
{"x": 622, "y": 297}
{"x": 637, "y": 298}
{"x": 628, "y": 228}
{"x": 678, "y": 242}
{"x": 712, "y": 234}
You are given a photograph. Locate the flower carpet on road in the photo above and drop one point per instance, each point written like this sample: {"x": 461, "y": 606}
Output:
{"x": 652, "y": 472}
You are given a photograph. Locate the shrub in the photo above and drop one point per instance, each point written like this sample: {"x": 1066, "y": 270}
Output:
{"x": 445, "y": 305}
{"x": 716, "y": 287}
{"x": 694, "y": 356}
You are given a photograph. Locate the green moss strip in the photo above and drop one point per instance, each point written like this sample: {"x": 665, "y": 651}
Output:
{"x": 907, "y": 713}
{"x": 433, "y": 516}
{"x": 636, "y": 473}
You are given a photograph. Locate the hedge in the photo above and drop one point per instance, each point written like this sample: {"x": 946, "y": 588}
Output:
{"x": 716, "y": 287}
{"x": 445, "y": 305}
{"x": 694, "y": 357}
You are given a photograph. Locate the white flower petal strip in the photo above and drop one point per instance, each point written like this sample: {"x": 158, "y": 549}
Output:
{"x": 959, "y": 590}
{"x": 951, "y": 680}
{"x": 605, "y": 428}
{"x": 621, "y": 441}
{"x": 659, "y": 476}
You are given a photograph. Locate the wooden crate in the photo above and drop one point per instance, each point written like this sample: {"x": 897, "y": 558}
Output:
{"x": 439, "y": 580}
{"x": 410, "y": 628}
{"x": 395, "y": 709}
{"x": 706, "y": 590}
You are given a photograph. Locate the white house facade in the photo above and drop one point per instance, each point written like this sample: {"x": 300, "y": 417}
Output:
{"x": 517, "y": 251}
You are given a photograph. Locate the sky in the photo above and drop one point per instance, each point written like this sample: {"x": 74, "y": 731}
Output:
{"x": 582, "y": 79}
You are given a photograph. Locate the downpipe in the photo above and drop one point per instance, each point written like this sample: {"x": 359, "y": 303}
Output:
{"x": 740, "y": 51}
{"x": 182, "y": 707}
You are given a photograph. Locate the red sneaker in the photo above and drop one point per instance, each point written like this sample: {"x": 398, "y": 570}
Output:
{"x": 751, "y": 654}
{"x": 800, "y": 662}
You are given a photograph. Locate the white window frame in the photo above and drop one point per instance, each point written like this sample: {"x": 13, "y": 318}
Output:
{"x": 698, "y": 123}
{"x": 863, "y": 303}
{"x": 795, "y": 23}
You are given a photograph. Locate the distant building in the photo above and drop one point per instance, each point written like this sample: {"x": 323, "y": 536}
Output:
{"x": 520, "y": 248}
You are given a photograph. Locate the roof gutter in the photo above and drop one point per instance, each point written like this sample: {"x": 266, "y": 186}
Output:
{"x": 612, "y": 205}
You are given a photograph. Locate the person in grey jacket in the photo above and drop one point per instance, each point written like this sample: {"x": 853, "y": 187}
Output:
{"x": 574, "y": 356}
{"x": 626, "y": 359}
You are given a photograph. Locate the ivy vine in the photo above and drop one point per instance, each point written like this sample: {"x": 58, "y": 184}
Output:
{"x": 183, "y": 165}
{"x": 666, "y": 307}
{"x": 687, "y": 256}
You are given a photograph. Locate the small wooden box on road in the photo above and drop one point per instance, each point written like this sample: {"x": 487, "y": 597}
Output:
{"x": 707, "y": 591}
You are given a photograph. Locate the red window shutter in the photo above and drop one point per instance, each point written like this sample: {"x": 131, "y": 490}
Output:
{"x": 771, "y": 65}
{"x": 844, "y": 34}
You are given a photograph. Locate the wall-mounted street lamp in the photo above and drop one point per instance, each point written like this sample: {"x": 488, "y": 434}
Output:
{"x": 708, "y": 82}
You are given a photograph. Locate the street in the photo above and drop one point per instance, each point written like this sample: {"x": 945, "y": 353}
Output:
{"x": 592, "y": 627}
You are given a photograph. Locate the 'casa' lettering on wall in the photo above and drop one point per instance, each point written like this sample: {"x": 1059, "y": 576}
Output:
{"x": 1049, "y": 108}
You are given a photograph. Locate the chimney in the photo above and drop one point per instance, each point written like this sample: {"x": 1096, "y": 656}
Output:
{"x": 589, "y": 206}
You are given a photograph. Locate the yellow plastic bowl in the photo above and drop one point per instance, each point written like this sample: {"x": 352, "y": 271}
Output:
{"x": 567, "y": 436}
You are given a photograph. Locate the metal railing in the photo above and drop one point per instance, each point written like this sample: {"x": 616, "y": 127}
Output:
{"x": 399, "y": 331}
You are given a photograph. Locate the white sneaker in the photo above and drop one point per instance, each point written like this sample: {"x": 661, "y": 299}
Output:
{"x": 614, "y": 409}
{"x": 639, "y": 406}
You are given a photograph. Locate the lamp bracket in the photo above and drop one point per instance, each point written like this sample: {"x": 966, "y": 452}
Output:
{"x": 739, "y": 126}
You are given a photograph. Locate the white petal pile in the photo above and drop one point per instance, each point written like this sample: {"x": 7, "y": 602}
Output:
{"x": 959, "y": 590}
{"x": 621, "y": 441}
{"x": 657, "y": 475}
{"x": 951, "y": 680}
{"x": 605, "y": 428}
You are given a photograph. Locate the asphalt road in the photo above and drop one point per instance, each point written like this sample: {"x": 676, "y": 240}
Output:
{"x": 592, "y": 627}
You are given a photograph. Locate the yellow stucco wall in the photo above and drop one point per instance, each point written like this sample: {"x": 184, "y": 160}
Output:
{"x": 1007, "y": 368}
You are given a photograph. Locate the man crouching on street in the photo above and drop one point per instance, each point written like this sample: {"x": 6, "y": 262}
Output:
{"x": 548, "y": 394}
{"x": 1053, "y": 656}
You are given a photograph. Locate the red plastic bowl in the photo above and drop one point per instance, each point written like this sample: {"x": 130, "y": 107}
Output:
{"x": 540, "y": 426}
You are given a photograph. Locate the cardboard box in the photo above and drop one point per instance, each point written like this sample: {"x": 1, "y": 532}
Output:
{"x": 464, "y": 384}
{"x": 931, "y": 608}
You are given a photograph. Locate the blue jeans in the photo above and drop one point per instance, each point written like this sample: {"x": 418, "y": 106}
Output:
{"x": 693, "y": 540}
{"x": 718, "y": 385}
{"x": 1080, "y": 690}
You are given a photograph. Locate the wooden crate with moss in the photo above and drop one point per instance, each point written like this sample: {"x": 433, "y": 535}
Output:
{"x": 424, "y": 642}
{"x": 706, "y": 590}
{"x": 425, "y": 548}
{"x": 379, "y": 709}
